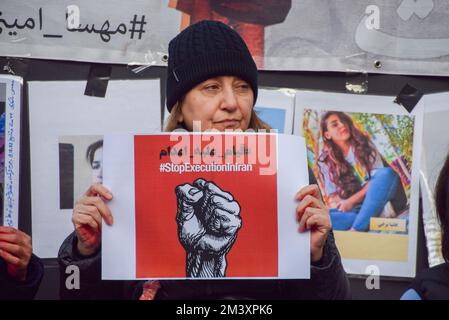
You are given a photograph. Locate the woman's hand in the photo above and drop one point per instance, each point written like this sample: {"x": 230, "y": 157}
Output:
{"x": 345, "y": 205}
{"x": 349, "y": 204}
{"x": 87, "y": 216}
{"x": 16, "y": 250}
{"x": 313, "y": 215}
{"x": 333, "y": 200}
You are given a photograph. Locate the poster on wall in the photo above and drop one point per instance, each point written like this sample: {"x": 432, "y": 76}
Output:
{"x": 435, "y": 151}
{"x": 376, "y": 36}
{"x": 104, "y": 31}
{"x": 10, "y": 115}
{"x": 66, "y": 129}
{"x": 276, "y": 107}
{"x": 386, "y": 36}
{"x": 364, "y": 152}
{"x": 204, "y": 206}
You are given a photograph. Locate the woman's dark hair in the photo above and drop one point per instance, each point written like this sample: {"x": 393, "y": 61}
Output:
{"x": 442, "y": 206}
{"x": 90, "y": 153}
{"x": 341, "y": 171}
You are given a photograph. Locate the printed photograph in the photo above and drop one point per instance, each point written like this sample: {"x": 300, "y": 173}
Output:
{"x": 362, "y": 163}
{"x": 80, "y": 165}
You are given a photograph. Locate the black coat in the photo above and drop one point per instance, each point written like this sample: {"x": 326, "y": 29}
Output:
{"x": 12, "y": 289}
{"x": 433, "y": 283}
{"x": 328, "y": 281}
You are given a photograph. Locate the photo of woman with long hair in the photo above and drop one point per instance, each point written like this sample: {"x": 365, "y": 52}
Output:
{"x": 356, "y": 178}
{"x": 94, "y": 155}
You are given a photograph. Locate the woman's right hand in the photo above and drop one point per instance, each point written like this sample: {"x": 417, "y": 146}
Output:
{"x": 345, "y": 205}
{"x": 334, "y": 200}
{"x": 88, "y": 213}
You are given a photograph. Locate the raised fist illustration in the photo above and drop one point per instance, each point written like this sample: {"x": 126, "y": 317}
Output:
{"x": 208, "y": 221}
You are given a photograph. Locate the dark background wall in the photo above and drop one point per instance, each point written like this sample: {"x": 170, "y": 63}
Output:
{"x": 378, "y": 84}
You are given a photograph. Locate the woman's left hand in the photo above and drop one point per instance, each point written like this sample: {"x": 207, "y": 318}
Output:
{"x": 345, "y": 205}
{"x": 313, "y": 215}
{"x": 16, "y": 250}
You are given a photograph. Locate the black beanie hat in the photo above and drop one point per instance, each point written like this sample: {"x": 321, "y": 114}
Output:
{"x": 205, "y": 50}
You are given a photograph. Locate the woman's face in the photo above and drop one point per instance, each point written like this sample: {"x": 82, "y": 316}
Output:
{"x": 336, "y": 129}
{"x": 218, "y": 103}
{"x": 97, "y": 166}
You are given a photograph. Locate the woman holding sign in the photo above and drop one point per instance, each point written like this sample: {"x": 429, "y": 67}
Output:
{"x": 211, "y": 84}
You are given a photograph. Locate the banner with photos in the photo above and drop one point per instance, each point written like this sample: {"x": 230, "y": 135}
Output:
{"x": 385, "y": 36}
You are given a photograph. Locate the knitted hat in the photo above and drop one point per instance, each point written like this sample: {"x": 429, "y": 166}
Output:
{"x": 205, "y": 50}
